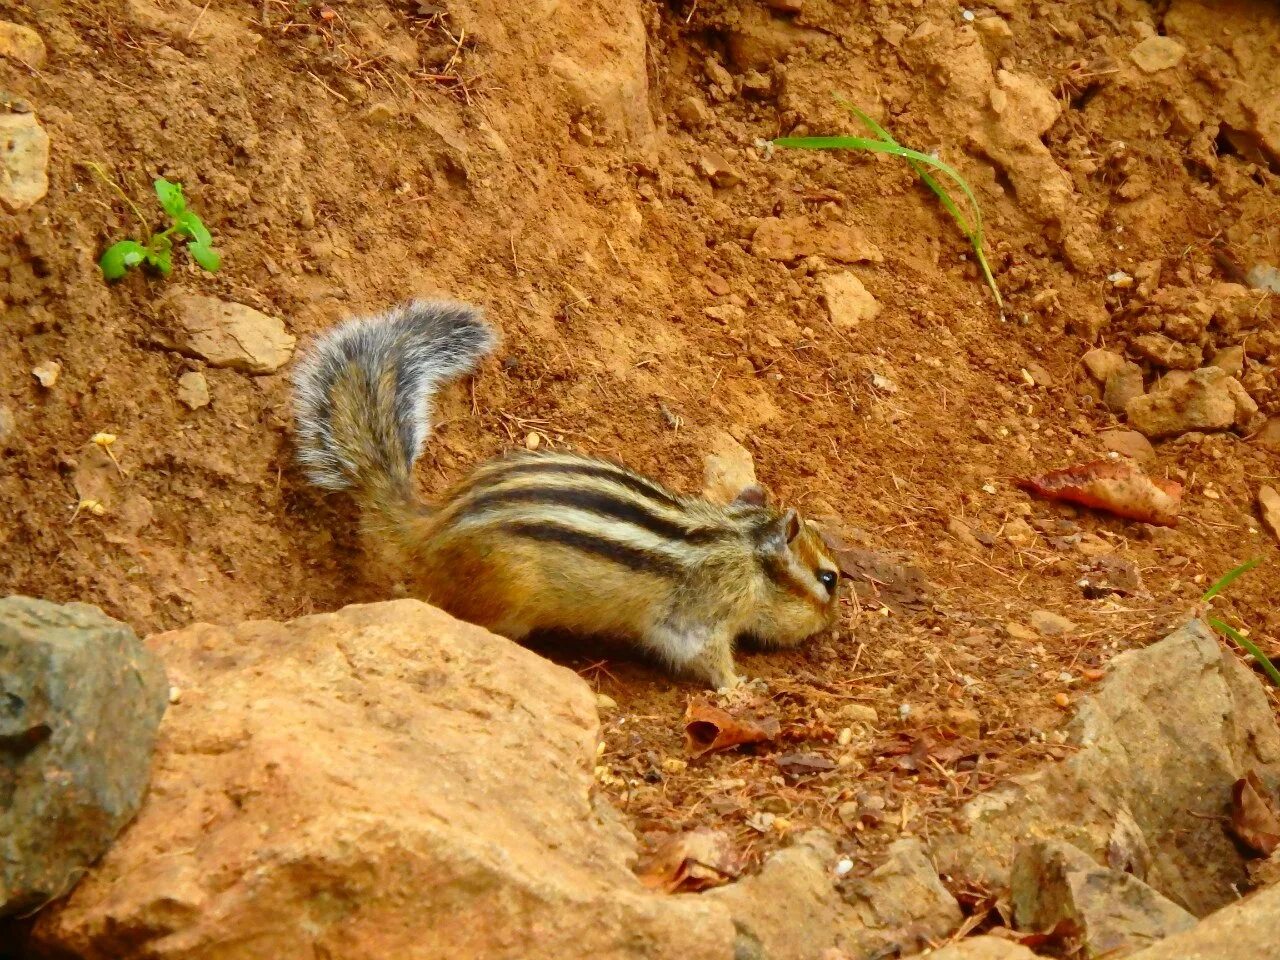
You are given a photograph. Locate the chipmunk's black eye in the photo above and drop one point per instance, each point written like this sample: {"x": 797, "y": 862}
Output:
{"x": 827, "y": 578}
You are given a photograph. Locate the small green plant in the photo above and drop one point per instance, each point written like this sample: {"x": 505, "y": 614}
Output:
{"x": 885, "y": 143}
{"x": 1231, "y": 632}
{"x": 156, "y": 251}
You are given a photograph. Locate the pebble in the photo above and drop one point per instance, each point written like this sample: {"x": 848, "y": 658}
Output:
{"x": 1167, "y": 352}
{"x": 605, "y": 702}
{"x": 1269, "y": 436}
{"x": 1263, "y": 276}
{"x": 22, "y": 44}
{"x": 175, "y": 695}
{"x": 844, "y": 867}
{"x": 1129, "y": 443}
{"x": 674, "y": 765}
{"x": 227, "y": 334}
{"x": 1203, "y": 402}
{"x": 533, "y": 441}
{"x": 859, "y": 713}
{"x": 8, "y": 426}
{"x": 1269, "y": 509}
{"x": 845, "y": 737}
{"x": 47, "y": 372}
{"x": 1102, "y": 364}
{"x": 1157, "y": 53}
{"x": 193, "y": 390}
{"x": 1049, "y": 624}
{"x": 718, "y": 170}
{"x": 1122, "y": 387}
{"x": 848, "y": 301}
{"x": 1230, "y": 360}
{"x": 24, "y": 161}
{"x": 693, "y": 112}
{"x": 1062, "y": 700}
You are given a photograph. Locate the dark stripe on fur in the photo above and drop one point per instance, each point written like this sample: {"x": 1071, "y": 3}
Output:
{"x": 526, "y": 463}
{"x": 600, "y": 503}
{"x": 630, "y": 557}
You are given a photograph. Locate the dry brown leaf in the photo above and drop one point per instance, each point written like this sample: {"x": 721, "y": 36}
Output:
{"x": 1117, "y": 486}
{"x": 803, "y": 764}
{"x": 1252, "y": 818}
{"x": 689, "y": 862}
{"x": 708, "y": 728}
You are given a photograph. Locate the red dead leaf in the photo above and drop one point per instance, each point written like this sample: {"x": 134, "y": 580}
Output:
{"x": 689, "y": 862}
{"x": 708, "y": 728}
{"x": 1117, "y": 486}
{"x": 1252, "y": 818}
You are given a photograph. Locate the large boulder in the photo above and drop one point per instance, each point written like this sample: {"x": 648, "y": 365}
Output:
{"x": 80, "y": 702}
{"x": 1173, "y": 726}
{"x": 385, "y": 781}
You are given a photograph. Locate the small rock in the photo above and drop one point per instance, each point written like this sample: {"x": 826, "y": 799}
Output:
{"x": 604, "y": 702}
{"x": 859, "y": 713}
{"x": 983, "y": 948}
{"x": 1168, "y": 352}
{"x": 381, "y": 113}
{"x": 227, "y": 334}
{"x": 47, "y": 372}
{"x": 1019, "y": 632}
{"x": 1230, "y": 360}
{"x": 1204, "y": 402}
{"x": 1263, "y": 276}
{"x": 963, "y": 533}
{"x": 22, "y": 44}
{"x": 718, "y": 170}
{"x": 83, "y": 700}
{"x": 1269, "y": 509}
{"x": 8, "y": 427}
{"x": 1122, "y": 388}
{"x": 966, "y": 722}
{"x": 24, "y": 161}
{"x": 693, "y": 112}
{"x": 1039, "y": 374}
{"x": 1116, "y": 913}
{"x": 785, "y": 6}
{"x": 1129, "y": 443}
{"x": 794, "y": 238}
{"x": 1246, "y": 406}
{"x": 848, "y": 301}
{"x": 1049, "y": 624}
{"x": 1269, "y": 436}
{"x": 533, "y": 441}
{"x": 1157, "y": 53}
{"x": 997, "y": 36}
{"x": 193, "y": 390}
{"x": 757, "y": 84}
{"x": 1102, "y": 364}
{"x": 727, "y": 469}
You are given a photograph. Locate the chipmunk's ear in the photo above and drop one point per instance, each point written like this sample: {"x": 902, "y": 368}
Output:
{"x": 752, "y": 496}
{"x": 778, "y": 535}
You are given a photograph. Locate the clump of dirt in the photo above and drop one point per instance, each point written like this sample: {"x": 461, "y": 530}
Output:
{"x": 594, "y": 175}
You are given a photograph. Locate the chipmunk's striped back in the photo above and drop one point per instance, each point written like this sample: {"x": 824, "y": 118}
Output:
{"x": 599, "y": 509}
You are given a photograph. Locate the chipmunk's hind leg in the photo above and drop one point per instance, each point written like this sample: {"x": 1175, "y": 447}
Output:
{"x": 703, "y": 651}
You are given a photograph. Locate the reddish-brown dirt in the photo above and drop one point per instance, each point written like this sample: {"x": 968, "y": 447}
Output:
{"x": 592, "y": 174}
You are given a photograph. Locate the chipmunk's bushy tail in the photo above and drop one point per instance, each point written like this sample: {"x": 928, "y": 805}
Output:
{"x": 363, "y": 395}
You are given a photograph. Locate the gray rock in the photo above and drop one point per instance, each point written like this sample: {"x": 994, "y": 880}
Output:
{"x": 24, "y": 161}
{"x": 80, "y": 702}
{"x": 1243, "y": 930}
{"x": 983, "y": 948}
{"x": 1160, "y": 745}
{"x": 1116, "y": 913}
{"x": 794, "y": 909}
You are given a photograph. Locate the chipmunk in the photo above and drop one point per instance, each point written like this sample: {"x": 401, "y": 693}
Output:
{"x": 549, "y": 541}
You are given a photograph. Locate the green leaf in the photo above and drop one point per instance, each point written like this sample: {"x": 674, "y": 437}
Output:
{"x": 170, "y": 196}
{"x": 191, "y": 226}
{"x": 160, "y": 254}
{"x": 205, "y": 255}
{"x": 1249, "y": 647}
{"x": 1227, "y": 578}
{"x": 120, "y": 258}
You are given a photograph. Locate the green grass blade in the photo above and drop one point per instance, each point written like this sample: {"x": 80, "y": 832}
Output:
{"x": 918, "y": 161}
{"x": 1248, "y": 646}
{"x": 1227, "y": 578}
